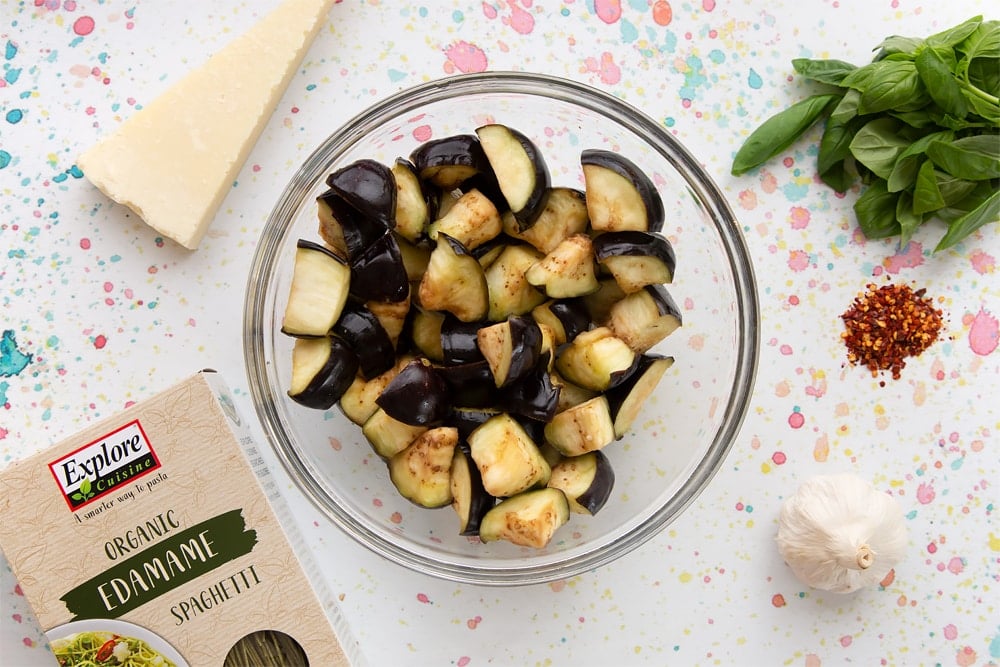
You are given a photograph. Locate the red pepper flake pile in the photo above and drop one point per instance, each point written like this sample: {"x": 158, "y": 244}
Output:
{"x": 887, "y": 324}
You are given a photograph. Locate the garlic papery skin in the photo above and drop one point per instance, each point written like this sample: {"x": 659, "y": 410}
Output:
{"x": 838, "y": 533}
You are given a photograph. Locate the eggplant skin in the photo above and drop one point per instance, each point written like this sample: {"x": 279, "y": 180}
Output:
{"x": 378, "y": 273}
{"x": 363, "y": 331}
{"x": 642, "y": 187}
{"x": 416, "y": 396}
{"x": 330, "y": 382}
{"x": 469, "y": 497}
{"x": 370, "y": 188}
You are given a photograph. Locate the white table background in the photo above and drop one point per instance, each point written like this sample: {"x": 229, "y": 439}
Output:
{"x": 110, "y": 314}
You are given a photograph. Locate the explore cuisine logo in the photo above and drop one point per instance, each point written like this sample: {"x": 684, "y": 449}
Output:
{"x": 100, "y": 467}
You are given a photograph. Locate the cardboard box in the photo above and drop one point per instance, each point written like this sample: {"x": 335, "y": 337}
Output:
{"x": 162, "y": 525}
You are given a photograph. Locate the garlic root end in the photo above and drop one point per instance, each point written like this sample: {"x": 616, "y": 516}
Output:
{"x": 865, "y": 557}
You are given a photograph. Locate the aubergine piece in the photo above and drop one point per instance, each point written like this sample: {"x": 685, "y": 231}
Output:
{"x": 533, "y": 397}
{"x": 570, "y": 394}
{"x": 413, "y": 208}
{"x": 343, "y": 228}
{"x": 636, "y": 259}
{"x": 626, "y": 400}
{"x": 564, "y": 214}
{"x": 645, "y": 318}
{"x": 359, "y": 327}
{"x": 358, "y": 402}
{"x": 583, "y": 428}
{"x": 449, "y": 161}
{"x": 393, "y": 316}
{"x": 472, "y": 220}
{"x": 566, "y": 317}
{"x": 599, "y": 303}
{"x": 529, "y": 519}
{"x": 488, "y": 252}
{"x": 422, "y": 472}
{"x": 509, "y": 291}
{"x": 416, "y": 396}
{"x": 321, "y": 282}
{"x": 389, "y": 436}
{"x": 468, "y": 419}
{"x": 486, "y": 182}
{"x": 426, "y": 333}
{"x": 370, "y": 188}
{"x": 415, "y": 258}
{"x": 470, "y": 384}
{"x": 507, "y": 458}
{"x": 378, "y": 273}
{"x": 512, "y": 348}
{"x": 520, "y": 170}
{"x": 322, "y": 370}
{"x": 587, "y": 480}
{"x": 620, "y": 196}
{"x": 454, "y": 282}
{"x": 459, "y": 341}
{"x": 568, "y": 271}
{"x": 470, "y": 500}
{"x": 596, "y": 360}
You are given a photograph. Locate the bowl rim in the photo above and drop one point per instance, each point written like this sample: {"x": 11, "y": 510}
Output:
{"x": 710, "y": 198}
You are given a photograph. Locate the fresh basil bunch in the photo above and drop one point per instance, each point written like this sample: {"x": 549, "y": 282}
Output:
{"x": 919, "y": 125}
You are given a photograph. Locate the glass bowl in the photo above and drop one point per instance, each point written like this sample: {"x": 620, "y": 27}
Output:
{"x": 686, "y": 427}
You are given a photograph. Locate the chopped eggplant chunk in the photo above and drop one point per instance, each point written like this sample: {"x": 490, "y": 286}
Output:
{"x": 392, "y": 315}
{"x": 529, "y": 519}
{"x": 636, "y": 259}
{"x": 320, "y": 284}
{"x": 389, "y": 436}
{"x": 422, "y": 472}
{"x": 510, "y": 293}
{"x": 587, "y": 480}
{"x": 520, "y": 169}
{"x": 620, "y": 196}
{"x": 468, "y": 419}
{"x": 322, "y": 370}
{"x": 378, "y": 272}
{"x": 470, "y": 384}
{"x": 586, "y": 427}
{"x": 359, "y": 327}
{"x": 469, "y": 498}
{"x": 413, "y": 212}
{"x": 564, "y": 214}
{"x": 511, "y": 347}
{"x": 472, "y": 221}
{"x": 645, "y": 318}
{"x": 449, "y": 161}
{"x": 598, "y": 304}
{"x": 570, "y": 394}
{"x": 416, "y": 396}
{"x": 343, "y": 228}
{"x": 415, "y": 258}
{"x": 567, "y": 271}
{"x": 534, "y": 396}
{"x": 454, "y": 282}
{"x": 507, "y": 458}
{"x": 426, "y": 333}
{"x": 596, "y": 360}
{"x": 626, "y": 400}
{"x": 459, "y": 341}
{"x": 358, "y": 402}
{"x": 565, "y": 317}
{"x": 370, "y": 188}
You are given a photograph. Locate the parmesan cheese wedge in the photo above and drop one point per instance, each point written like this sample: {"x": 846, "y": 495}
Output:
{"x": 174, "y": 161}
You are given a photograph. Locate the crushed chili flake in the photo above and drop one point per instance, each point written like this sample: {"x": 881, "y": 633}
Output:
{"x": 887, "y": 324}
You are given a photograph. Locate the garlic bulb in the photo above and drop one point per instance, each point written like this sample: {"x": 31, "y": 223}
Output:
{"x": 837, "y": 533}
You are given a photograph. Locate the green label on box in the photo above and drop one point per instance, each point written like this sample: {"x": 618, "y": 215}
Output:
{"x": 163, "y": 567}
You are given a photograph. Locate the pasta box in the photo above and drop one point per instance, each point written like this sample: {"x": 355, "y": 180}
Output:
{"x": 158, "y": 537}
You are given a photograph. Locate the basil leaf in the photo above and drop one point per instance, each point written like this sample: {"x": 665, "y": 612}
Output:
{"x": 983, "y": 42}
{"x": 824, "y": 71}
{"x": 781, "y": 130}
{"x": 952, "y": 36}
{"x": 861, "y": 77}
{"x": 984, "y": 75}
{"x": 838, "y": 177}
{"x": 954, "y": 190}
{"x": 876, "y": 212}
{"x": 927, "y": 196}
{"x": 908, "y": 220}
{"x": 953, "y": 211}
{"x": 940, "y": 82}
{"x": 895, "y": 85}
{"x": 898, "y": 45}
{"x": 877, "y": 145}
{"x": 974, "y": 158}
{"x": 984, "y": 214}
{"x": 904, "y": 172}
{"x": 847, "y": 108}
{"x": 835, "y": 144}
{"x": 917, "y": 119}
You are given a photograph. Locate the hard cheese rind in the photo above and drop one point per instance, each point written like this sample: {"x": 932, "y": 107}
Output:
{"x": 174, "y": 161}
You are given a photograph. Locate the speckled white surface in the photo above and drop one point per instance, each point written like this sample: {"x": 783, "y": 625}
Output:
{"x": 99, "y": 312}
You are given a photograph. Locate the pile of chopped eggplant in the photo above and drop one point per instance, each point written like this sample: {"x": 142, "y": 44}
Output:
{"x": 488, "y": 331}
